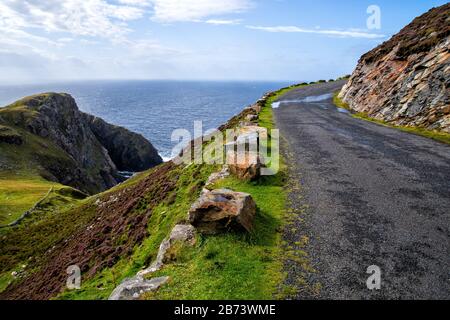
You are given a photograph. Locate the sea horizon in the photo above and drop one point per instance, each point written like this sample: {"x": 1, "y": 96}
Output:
{"x": 154, "y": 108}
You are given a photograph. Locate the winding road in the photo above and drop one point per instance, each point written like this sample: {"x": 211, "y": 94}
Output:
{"x": 369, "y": 195}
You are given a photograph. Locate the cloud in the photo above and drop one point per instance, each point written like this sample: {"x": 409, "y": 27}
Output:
{"x": 138, "y": 3}
{"x": 87, "y": 18}
{"x": 223, "y": 22}
{"x": 167, "y": 11}
{"x": 336, "y": 33}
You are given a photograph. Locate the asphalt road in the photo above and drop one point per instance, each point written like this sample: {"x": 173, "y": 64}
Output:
{"x": 370, "y": 195}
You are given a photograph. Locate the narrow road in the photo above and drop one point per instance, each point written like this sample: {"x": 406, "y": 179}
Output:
{"x": 369, "y": 195}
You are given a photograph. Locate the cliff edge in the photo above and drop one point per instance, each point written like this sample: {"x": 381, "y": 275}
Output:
{"x": 47, "y": 133}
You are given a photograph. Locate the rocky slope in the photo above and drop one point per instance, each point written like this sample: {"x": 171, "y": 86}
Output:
{"x": 48, "y": 132}
{"x": 406, "y": 80}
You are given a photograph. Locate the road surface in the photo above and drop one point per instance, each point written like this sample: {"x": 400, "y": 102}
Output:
{"x": 373, "y": 196}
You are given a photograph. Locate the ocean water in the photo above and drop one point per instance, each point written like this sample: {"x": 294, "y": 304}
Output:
{"x": 154, "y": 108}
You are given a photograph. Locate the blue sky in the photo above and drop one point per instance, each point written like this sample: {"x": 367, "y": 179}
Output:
{"x": 52, "y": 40}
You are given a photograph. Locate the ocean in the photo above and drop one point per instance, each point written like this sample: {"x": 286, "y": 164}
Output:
{"x": 154, "y": 108}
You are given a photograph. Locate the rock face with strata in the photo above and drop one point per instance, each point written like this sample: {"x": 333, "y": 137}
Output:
{"x": 223, "y": 210}
{"x": 128, "y": 150}
{"x": 93, "y": 151}
{"x": 406, "y": 80}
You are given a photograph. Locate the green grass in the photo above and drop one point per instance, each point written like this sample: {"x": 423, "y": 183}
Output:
{"x": 21, "y": 181}
{"x": 20, "y": 195}
{"x": 165, "y": 216}
{"x": 431, "y": 134}
{"x": 235, "y": 265}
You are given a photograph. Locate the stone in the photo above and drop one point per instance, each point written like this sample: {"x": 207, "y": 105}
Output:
{"x": 180, "y": 233}
{"x": 251, "y": 117}
{"x": 223, "y": 210}
{"x": 246, "y": 166}
{"x": 253, "y": 129}
{"x": 133, "y": 288}
{"x": 216, "y": 176}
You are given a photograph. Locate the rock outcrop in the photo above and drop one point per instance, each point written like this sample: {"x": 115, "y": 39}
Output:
{"x": 406, "y": 80}
{"x": 90, "y": 151}
{"x": 223, "y": 210}
{"x": 128, "y": 150}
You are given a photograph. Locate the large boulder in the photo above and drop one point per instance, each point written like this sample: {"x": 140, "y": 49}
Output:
{"x": 223, "y": 210}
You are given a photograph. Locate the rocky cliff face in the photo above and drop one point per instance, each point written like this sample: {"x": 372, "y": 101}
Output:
{"x": 92, "y": 151}
{"x": 406, "y": 80}
{"x": 128, "y": 150}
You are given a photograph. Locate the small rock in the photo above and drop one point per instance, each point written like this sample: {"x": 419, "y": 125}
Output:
{"x": 223, "y": 210}
{"x": 213, "y": 178}
{"x": 133, "y": 288}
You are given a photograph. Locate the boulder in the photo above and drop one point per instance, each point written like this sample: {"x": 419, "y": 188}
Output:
{"x": 223, "y": 210}
{"x": 180, "y": 233}
{"x": 246, "y": 166}
{"x": 133, "y": 288}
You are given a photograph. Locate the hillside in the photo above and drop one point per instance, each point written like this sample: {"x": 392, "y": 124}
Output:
{"x": 113, "y": 235}
{"x": 405, "y": 81}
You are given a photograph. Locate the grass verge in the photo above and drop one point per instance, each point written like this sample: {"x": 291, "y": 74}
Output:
{"x": 431, "y": 134}
{"x": 236, "y": 266}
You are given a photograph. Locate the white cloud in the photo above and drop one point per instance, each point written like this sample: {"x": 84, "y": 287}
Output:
{"x": 138, "y": 3}
{"x": 336, "y": 33}
{"x": 87, "y": 18}
{"x": 167, "y": 11}
{"x": 223, "y": 22}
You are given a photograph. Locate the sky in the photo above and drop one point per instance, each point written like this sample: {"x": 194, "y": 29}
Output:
{"x": 266, "y": 40}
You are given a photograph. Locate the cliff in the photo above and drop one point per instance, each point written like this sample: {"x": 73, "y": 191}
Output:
{"x": 405, "y": 81}
{"x": 48, "y": 134}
